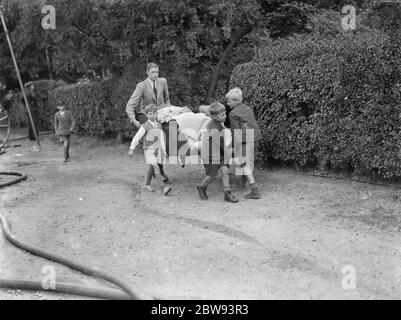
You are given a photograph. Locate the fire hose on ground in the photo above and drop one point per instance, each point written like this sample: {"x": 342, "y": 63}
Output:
{"x": 130, "y": 292}
{"x": 20, "y": 177}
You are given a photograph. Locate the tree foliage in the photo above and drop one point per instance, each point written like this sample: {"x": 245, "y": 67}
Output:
{"x": 106, "y": 35}
{"x": 199, "y": 41}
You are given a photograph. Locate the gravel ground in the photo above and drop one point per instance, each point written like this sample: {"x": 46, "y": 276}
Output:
{"x": 302, "y": 240}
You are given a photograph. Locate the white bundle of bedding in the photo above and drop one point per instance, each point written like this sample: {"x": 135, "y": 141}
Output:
{"x": 167, "y": 113}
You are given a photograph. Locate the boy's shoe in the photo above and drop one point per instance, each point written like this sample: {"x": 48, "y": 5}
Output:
{"x": 229, "y": 197}
{"x": 165, "y": 178}
{"x": 202, "y": 192}
{"x": 66, "y": 160}
{"x": 166, "y": 190}
{"x": 149, "y": 188}
{"x": 254, "y": 194}
{"x": 181, "y": 162}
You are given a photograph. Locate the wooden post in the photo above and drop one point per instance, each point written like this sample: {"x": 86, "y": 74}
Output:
{"x": 2, "y": 5}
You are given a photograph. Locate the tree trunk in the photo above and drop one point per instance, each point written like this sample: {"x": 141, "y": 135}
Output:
{"x": 223, "y": 57}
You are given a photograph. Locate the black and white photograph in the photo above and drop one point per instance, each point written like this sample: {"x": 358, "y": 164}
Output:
{"x": 211, "y": 153}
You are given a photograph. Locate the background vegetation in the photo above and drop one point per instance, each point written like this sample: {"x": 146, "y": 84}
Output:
{"x": 324, "y": 97}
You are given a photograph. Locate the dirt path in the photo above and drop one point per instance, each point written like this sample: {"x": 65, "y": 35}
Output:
{"x": 292, "y": 244}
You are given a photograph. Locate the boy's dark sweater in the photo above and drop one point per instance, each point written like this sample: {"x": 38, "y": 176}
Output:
{"x": 215, "y": 152}
{"x": 242, "y": 117}
{"x": 63, "y": 124}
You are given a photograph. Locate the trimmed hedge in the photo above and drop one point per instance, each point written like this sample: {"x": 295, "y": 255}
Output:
{"x": 333, "y": 102}
{"x": 18, "y": 114}
{"x": 99, "y": 107}
{"x": 90, "y": 103}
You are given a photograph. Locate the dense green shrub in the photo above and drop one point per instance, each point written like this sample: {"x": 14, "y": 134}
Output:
{"x": 100, "y": 106}
{"x": 18, "y": 113}
{"x": 91, "y": 105}
{"x": 333, "y": 102}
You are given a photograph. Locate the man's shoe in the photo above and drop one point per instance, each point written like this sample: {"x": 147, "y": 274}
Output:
{"x": 149, "y": 188}
{"x": 165, "y": 178}
{"x": 202, "y": 192}
{"x": 228, "y": 196}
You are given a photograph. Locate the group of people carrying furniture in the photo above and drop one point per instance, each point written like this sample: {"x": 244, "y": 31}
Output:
{"x": 218, "y": 145}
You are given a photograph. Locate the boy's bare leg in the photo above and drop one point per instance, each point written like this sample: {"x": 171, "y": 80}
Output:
{"x": 182, "y": 155}
{"x": 166, "y": 187}
{"x": 203, "y": 186}
{"x": 208, "y": 180}
{"x": 228, "y": 196}
{"x": 151, "y": 174}
{"x": 164, "y": 176}
{"x": 251, "y": 178}
{"x": 66, "y": 147}
{"x": 254, "y": 194}
{"x": 226, "y": 179}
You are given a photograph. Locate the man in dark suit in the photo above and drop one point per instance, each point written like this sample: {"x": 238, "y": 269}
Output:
{"x": 153, "y": 90}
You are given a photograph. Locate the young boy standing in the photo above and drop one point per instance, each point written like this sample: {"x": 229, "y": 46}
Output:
{"x": 243, "y": 119}
{"x": 64, "y": 123}
{"x": 214, "y": 152}
{"x": 154, "y": 146}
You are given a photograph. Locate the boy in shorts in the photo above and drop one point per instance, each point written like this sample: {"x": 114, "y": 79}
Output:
{"x": 242, "y": 119}
{"x": 154, "y": 146}
{"x": 214, "y": 152}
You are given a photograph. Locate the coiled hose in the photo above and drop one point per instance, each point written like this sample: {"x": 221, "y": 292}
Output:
{"x": 20, "y": 177}
{"x": 65, "y": 288}
{"x": 129, "y": 288}
{"x": 130, "y": 291}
